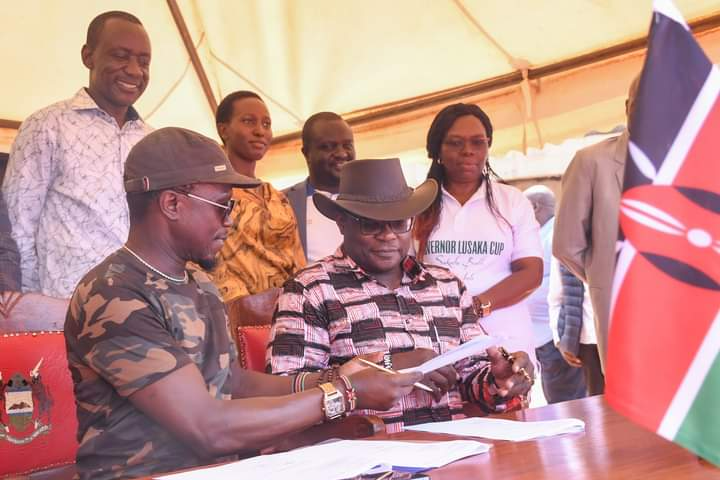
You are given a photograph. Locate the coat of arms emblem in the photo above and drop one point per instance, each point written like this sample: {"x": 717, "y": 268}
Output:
{"x": 24, "y": 407}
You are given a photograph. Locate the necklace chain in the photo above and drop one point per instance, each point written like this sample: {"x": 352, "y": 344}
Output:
{"x": 183, "y": 279}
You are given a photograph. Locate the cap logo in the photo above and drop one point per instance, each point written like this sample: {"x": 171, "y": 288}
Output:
{"x": 220, "y": 168}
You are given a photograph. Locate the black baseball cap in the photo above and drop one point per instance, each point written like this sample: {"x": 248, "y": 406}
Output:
{"x": 172, "y": 156}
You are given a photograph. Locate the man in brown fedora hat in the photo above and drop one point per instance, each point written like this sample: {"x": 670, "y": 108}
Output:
{"x": 154, "y": 369}
{"x": 371, "y": 299}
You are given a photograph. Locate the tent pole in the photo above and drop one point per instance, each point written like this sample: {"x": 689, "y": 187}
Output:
{"x": 194, "y": 58}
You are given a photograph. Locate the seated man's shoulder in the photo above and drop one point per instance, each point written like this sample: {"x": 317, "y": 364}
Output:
{"x": 313, "y": 272}
{"x": 111, "y": 278}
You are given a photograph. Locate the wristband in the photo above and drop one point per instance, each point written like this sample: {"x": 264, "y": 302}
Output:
{"x": 350, "y": 393}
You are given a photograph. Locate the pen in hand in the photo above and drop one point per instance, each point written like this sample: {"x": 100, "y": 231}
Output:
{"x": 419, "y": 385}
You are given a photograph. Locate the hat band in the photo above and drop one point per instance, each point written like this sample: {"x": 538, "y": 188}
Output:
{"x": 402, "y": 195}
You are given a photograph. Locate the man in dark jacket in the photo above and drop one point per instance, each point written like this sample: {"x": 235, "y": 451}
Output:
{"x": 328, "y": 144}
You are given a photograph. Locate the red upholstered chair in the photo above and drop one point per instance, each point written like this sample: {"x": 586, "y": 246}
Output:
{"x": 250, "y": 318}
{"x": 38, "y": 422}
{"x": 252, "y": 341}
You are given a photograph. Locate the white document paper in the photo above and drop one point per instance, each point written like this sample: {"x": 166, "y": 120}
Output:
{"x": 337, "y": 460}
{"x": 500, "y": 429}
{"x": 476, "y": 346}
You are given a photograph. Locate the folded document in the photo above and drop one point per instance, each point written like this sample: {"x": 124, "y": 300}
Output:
{"x": 341, "y": 459}
{"x": 499, "y": 429}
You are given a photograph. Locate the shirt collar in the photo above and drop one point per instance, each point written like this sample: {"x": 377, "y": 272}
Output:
{"x": 83, "y": 101}
{"x": 479, "y": 194}
{"x": 310, "y": 190}
{"x": 547, "y": 226}
{"x": 413, "y": 270}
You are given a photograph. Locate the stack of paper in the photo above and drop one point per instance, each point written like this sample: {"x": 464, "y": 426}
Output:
{"x": 499, "y": 429}
{"x": 341, "y": 459}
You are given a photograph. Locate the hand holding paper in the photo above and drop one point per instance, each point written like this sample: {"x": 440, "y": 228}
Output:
{"x": 476, "y": 346}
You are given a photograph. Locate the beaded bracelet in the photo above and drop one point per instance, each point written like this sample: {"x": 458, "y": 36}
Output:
{"x": 328, "y": 375}
{"x": 350, "y": 393}
{"x": 298, "y": 384}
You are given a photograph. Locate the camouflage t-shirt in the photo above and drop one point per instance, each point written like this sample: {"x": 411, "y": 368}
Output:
{"x": 127, "y": 328}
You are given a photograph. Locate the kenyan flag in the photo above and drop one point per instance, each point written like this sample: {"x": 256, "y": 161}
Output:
{"x": 663, "y": 368}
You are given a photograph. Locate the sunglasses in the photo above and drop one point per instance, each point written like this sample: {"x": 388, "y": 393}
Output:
{"x": 375, "y": 227}
{"x": 228, "y": 207}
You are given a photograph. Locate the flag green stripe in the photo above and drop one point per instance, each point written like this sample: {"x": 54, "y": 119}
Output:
{"x": 700, "y": 431}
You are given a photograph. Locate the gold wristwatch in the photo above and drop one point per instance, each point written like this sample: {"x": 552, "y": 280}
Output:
{"x": 333, "y": 401}
{"x": 481, "y": 309}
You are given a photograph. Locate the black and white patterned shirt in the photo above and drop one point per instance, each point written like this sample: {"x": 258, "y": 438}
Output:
{"x": 332, "y": 311}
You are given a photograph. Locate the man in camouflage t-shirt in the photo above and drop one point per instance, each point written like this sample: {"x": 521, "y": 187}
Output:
{"x": 127, "y": 328}
{"x": 156, "y": 383}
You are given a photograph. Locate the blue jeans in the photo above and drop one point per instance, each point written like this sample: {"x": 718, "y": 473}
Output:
{"x": 560, "y": 381}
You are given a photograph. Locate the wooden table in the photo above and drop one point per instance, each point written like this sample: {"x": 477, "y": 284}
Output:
{"x": 610, "y": 448}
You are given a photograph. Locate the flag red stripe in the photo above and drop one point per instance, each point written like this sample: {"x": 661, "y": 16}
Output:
{"x": 702, "y": 163}
{"x": 656, "y": 332}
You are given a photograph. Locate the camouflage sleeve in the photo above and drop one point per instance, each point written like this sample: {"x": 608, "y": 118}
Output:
{"x": 124, "y": 338}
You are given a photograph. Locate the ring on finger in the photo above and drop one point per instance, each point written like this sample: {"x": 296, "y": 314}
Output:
{"x": 527, "y": 376}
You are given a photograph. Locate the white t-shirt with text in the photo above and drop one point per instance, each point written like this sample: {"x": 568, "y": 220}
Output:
{"x": 479, "y": 248}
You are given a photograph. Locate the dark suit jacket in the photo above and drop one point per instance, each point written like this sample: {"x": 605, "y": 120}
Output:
{"x": 297, "y": 195}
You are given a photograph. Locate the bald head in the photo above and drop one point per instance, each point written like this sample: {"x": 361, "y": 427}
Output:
{"x": 543, "y": 202}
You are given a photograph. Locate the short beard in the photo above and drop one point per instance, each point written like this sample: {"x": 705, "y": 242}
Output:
{"x": 207, "y": 264}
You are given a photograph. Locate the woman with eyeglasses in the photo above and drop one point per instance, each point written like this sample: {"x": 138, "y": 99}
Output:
{"x": 481, "y": 229}
{"x": 263, "y": 247}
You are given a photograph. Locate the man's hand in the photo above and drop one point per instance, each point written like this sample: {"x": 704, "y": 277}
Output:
{"x": 379, "y": 390}
{"x": 440, "y": 380}
{"x": 571, "y": 359}
{"x": 514, "y": 375}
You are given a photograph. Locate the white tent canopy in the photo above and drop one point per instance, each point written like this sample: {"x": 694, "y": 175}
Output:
{"x": 386, "y": 66}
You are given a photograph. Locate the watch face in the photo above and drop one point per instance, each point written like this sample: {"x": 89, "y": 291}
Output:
{"x": 334, "y": 407}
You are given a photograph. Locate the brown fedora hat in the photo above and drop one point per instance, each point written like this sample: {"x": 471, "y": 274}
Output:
{"x": 376, "y": 189}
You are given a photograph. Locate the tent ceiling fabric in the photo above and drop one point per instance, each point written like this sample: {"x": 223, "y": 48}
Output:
{"x": 346, "y": 56}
